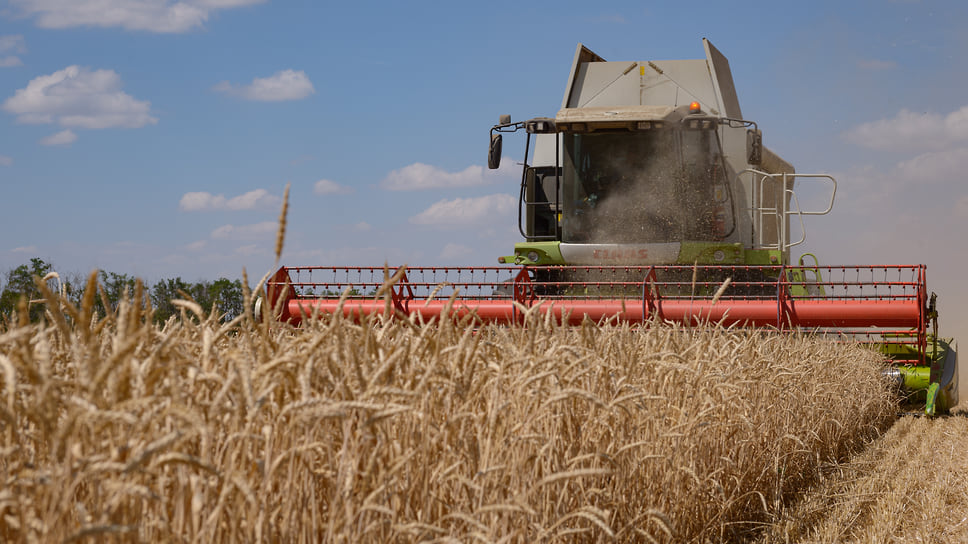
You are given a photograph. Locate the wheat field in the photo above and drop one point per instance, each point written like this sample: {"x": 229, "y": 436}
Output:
{"x": 908, "y": 486}
{"x": 396, "y": 431}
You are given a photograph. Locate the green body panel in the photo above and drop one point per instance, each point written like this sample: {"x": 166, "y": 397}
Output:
{"x": 712, "y": 253}
{"x": 942, "y": 352}
{"x": 907, "y": 352}
{"x": 916, "y": 378}
{"x": 549, "y": 254}
{"x": 900, "y": 352}
{"x": 938, "y": 397}
{"x": 690, "y": 253}
{"x": 931, "y": 399}
{"x": 764, "y": 257}
{"x": 706, "y": 253}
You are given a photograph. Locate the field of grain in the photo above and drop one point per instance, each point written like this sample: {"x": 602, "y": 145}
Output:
{"x": 398, "y": 431}
{"x": 908, "y": 486}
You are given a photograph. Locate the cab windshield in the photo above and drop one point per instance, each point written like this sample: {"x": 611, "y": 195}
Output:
{"x": 658, "y": 185}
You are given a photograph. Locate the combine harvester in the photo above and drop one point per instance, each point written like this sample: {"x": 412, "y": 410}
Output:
{"x": 650, "y": 196}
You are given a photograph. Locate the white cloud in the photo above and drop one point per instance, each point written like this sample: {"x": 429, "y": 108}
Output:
{"x": 327, "y": 187}
{"x": 359, "y": 256}
{"x": 197, "y": 246}
{"x": 64, "y": 137}
{"x": 78, "y": 97}
{"x": 255, "y": 231}
{"x": 419, "y": 176}
{"x": 363, "y": 226}
{"x": 148, "y": 15}
{"x": 252, "y": 200}
{"x": 424, "y": 176}
{"x": 455, "y": 251}
{"x": 910, "y": 131}
{"x": 467, "y": 211}
{"x": 250, "y": 250}
{"x": 199, "y": 201}
{"x": 13, "y": 43}
{"x": 259, "y": 198}
{"x": 5, "y": 160}
{"x": 24, "y": 249}
{"x": 224, "y": 4}
{"x": 933, "y": 167}
{"x": 283, "y": 85}
{"x": 890, "y": 189}
{"x": 9, "y": 45}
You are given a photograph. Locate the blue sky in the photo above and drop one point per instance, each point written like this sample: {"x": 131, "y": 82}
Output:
{"x": 155, "y": 137}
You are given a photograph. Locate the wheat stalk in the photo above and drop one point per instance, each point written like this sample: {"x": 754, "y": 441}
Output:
{"x": 281, "y": 233}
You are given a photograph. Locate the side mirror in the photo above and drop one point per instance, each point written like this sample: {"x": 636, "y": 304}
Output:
{"x": 754, "y": 147}
{"x": 494, "y": 152}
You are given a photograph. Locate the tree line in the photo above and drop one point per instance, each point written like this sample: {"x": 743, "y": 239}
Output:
{"x": 223, "y": 294}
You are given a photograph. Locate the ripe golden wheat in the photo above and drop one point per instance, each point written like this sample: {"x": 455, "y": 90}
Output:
{"x": 396, "y": 431}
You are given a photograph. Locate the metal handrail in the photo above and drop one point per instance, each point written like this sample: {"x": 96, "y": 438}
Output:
{"x": 783, "y": 212}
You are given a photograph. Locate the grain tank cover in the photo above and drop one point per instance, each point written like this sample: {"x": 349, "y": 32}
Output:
{"x": 595, "y": 82}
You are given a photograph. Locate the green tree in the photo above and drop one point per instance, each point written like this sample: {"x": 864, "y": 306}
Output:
{"x": 165, "y": 291}
{"x": 223, "y": 294}
{"x": 20, "y": 284}
{"x": 74, "y": 284}
{"x": 115, "y": 287}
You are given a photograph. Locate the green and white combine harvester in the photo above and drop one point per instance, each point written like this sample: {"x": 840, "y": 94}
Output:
{"x": 650, "y": 196}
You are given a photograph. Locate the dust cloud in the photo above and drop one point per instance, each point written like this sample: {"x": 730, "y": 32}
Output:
{"x": 642, "y": 190}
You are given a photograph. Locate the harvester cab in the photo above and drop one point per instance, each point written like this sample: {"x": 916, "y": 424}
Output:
{"x": 649, "y": 197}
{"x": 652, "y": 163}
